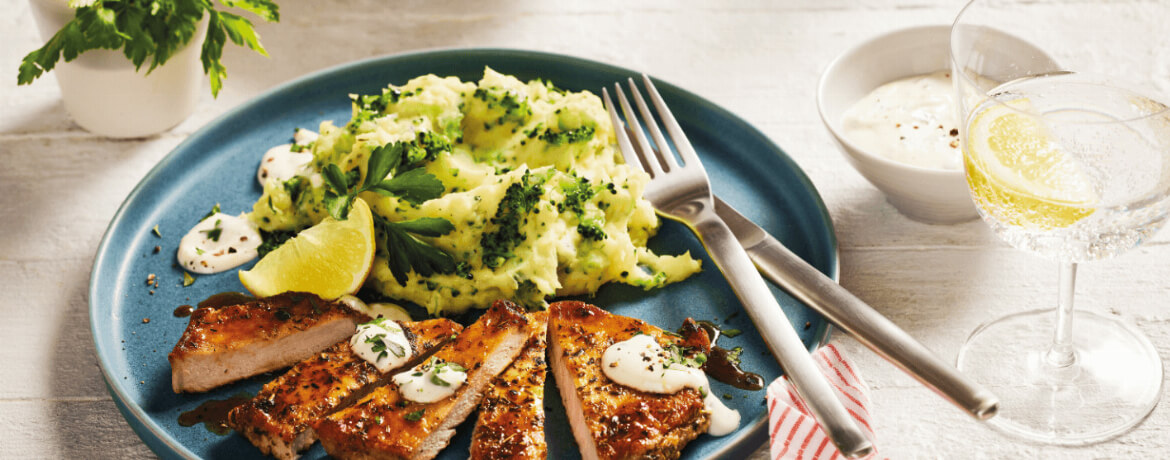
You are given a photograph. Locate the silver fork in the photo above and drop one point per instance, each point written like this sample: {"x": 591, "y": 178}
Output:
{"x": 682, "y": 192}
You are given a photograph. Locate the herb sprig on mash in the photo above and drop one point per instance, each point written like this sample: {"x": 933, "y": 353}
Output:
{"x": 480, "y": 191}
{"x": 407, "y": 181}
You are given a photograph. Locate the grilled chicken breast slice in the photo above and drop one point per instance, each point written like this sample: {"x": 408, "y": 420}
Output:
{"x": 384, "y": 425}
{"x": 511, "y": 415}
{"x": 225, "y": 344}
{"x": 278, "y": 420}
{"x": 612, "y": 421}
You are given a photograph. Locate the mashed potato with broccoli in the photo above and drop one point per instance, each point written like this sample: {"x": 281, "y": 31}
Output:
{"x": 538, "y": 202}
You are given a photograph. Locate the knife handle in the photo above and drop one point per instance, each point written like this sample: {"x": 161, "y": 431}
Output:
{"x": 780, "y": 336}
{"x": 852, "y": 315}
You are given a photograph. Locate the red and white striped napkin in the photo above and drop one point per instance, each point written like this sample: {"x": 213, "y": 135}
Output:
{"x": 794, "y": 433}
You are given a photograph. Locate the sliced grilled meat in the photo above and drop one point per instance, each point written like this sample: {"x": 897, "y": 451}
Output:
{"x": 225, "y": 344}
{"x": 384, "y": 425}
{"x": 278, "y": 420}
{"x": 511, "y": 416}
{"x": 612, "y": 421}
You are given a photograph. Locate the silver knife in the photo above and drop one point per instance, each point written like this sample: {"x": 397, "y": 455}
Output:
{"x": 842, "y": 308}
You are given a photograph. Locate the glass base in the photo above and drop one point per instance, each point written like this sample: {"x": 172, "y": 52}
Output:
{"x": 1113, "y": 384}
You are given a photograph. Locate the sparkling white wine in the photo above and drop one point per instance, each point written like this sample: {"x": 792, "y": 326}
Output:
{"x": 1069, "y": 166}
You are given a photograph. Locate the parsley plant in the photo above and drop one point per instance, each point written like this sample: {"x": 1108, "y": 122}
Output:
{"x": 151, "y": 30}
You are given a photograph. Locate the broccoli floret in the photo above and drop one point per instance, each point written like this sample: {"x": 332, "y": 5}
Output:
{"x": 571, "y": 136}
{"x": 515, "y": 110}
{"x": 576, "y": 194}
{"x": 519, "y": 199}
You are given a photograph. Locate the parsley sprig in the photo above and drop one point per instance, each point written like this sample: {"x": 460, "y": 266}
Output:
{"x": 404, "y": 251}
{"x": 151, "y": 30}
{"x": 411, "y": 184}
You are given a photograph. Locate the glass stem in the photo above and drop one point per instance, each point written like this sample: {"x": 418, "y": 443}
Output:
{"x": 1061, "y": 354}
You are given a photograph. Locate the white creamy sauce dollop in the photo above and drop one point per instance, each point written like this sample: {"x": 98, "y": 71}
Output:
{"x": 217, "y": 243}
{"x": 640, "y": 363}
{"x": 911, "y": 121}
{"x": 431, "y": 381}
{"x": 375, "y": 310}
{"x": 383, "y": 343}
{"x": 282, "y": 162}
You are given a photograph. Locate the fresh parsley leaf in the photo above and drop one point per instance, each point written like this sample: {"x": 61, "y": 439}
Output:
{"x": 335, "y": 178}
{"x": 214, "y": 210}
{"x": 416, "y": 415}
{"x": 338, "y": 206}
{"x": 426, "y": 226}
{"x": 188, "y": 279}
{"x": 155, "y": 231}
{"x": 415, "y": 186}
{"x": 405, "y": 253}
{"x": 731, "y": 333}
{"x": 383, "y": 159}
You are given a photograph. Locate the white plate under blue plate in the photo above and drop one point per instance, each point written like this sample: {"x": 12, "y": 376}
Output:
{"x": 218, "y": 165}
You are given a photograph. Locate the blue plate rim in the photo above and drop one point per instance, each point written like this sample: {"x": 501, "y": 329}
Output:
{"x": 740, "y": 446}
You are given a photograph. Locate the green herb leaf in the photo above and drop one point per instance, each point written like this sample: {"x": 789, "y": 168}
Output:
{"x": 731, "y": 333}
{"x": 239, "y": 31}
{"x": 338, "y": 206}
{"x": 265, "y": 9}
{"x": 212, "y": 51}
{"x": 383, "y": 159}
{"x": 336, "y": 179}
{"x": 416, "y": 415}
{"x": 405, "y": 253}
{"x": 150, "y": 30}
{"x": 427, "y": 226}
{"x": 214, "y": 210}
{"x": 214, "y": 232}
{"x": 188, "y": 279}
{"x": 155, "y": 231}
{"x": 415, "y": 186}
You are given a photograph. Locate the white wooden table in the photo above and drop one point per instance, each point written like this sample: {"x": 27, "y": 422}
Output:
{"x": 59, "y": 187}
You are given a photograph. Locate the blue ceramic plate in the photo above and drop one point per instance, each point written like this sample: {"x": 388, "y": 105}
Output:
{"x": 218, "y": 165}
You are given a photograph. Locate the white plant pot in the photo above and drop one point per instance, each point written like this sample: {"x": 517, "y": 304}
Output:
{"x": 106, "y": 96}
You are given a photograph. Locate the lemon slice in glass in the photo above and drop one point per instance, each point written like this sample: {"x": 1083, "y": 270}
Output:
{"x": 329, "y": 259}
{"x": 1020, "y": 175}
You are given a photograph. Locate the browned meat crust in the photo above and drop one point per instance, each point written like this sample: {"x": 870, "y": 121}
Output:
{"x": 511, "y": 416}
{"x": 278, "y": 420}
{"x": 612, "y": 421}
{"x": 384, "y": 425}
{"x": 222, "y": 345}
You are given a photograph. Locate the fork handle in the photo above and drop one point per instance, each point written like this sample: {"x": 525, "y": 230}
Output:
{"x": 869, "y": 327}
{"x": 811, "y": 287}
{"x": 778, "y": 333}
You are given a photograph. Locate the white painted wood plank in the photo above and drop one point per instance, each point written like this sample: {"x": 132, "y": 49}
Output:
{"x": 67, "y": 430}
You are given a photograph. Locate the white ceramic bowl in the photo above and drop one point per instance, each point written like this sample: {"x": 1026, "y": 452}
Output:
{"x": 927, "y": 195}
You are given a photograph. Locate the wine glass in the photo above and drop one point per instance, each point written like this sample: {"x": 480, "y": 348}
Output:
{"x": 1067, "y": 155}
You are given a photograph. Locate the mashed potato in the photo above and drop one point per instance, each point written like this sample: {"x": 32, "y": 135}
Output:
{"x": 540, "y": 202}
